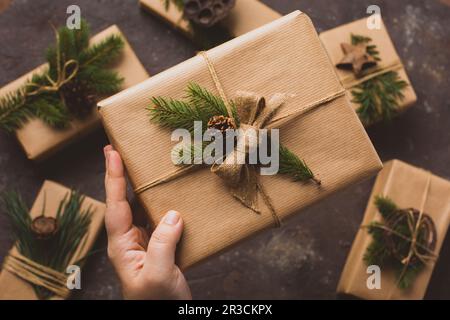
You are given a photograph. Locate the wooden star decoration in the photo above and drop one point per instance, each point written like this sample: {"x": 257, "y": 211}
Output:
{"x": 356, "y": 59}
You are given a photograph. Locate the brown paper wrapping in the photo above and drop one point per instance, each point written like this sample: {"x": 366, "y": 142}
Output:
{"x": 13, "y": 287}
{"x": 333, "y": 38}
{"x": 283, "y": 56}
{"x": 40, "y": 140}
{"x": 405, "y": 185}
{"x": 247, "y": 15}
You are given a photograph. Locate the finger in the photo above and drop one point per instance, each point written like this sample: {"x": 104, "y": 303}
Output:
{"x": 163, "y": 242}
{"x": 118, "y": 219}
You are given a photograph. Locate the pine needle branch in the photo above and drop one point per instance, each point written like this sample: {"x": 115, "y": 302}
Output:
{"x": 175, "y": 114}
{"x": 292, "y": 165}
{"x": 199, "y": 105}
{"x": 17, "y": 107}
{"x": 57, "y": 251}
{"x": 379, "y": 97}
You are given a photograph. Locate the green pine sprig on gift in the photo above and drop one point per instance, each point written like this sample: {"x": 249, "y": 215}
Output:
{"x": 371, "y": 49}
{"x": 76, "y": 76}
{"x": 201, "y": 105}
{"x": 380, "y": 251}
{"x": 56, "y": 250}
{"x": 378, "y": 97}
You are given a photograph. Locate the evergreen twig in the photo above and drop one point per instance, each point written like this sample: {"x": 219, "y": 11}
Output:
{"x": 57, "y": 251}
{"x": 380, "y": 253}
{"x": 378, "y": 97}
{"x": 292, "y": 165}
{"x": 50, "y": 106}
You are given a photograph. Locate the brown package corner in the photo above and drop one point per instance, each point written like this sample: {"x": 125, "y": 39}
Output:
{"x": 245, "y": 16}
{"x": 13, "y": 287}
{"x": 405, "y": 185}
{"x": 283, "y": 56}
{"x": 39, "y": 140}
{"x": 333, "y": 38}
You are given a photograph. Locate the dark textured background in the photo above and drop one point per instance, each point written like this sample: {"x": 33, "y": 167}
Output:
{"x": 304, "y": 258}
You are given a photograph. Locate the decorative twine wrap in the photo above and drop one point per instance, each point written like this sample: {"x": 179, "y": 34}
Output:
{"x": 62, "y": 77}
{"x": 352, "y": 81}
{"x": 36, "y": 273}
{"x": 254, "y": 114}
{"x": 414, "y": 227}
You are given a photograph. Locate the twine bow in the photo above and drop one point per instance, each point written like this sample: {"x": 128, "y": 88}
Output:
{"x": 418, "y": 224}
{"x": 254, "y": 114}
{"x": 61, "y": 68}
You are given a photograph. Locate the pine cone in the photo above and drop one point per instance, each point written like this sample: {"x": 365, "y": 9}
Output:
{"x": 78, "y": 98}
{"x": 44, "y": 227}
{"x": 221, "y": 123}
{"x": 207, "y": 13}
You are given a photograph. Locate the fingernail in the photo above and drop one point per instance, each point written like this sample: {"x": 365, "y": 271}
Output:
{"x": 106, "y": 149}
{"x": 172, "y": 217}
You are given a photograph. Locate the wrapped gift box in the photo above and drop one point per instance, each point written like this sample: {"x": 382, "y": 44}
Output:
{"x": 245, "y": 16}
{"x": 405, "y": 185}
{"x": 283, "y": 56}
{"x": 333, "y": 38}
{"x": 13, "y": 287}
{"x": 39, "y": 140}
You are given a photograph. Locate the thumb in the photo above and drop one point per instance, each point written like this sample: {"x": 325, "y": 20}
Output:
{"x": 163, "y": 242}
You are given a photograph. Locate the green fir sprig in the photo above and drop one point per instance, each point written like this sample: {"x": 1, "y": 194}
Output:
{"x": 201, "y": 105}
{"x": 380, "y": 253}
{"x": 378, "y": 97}
{"x": 59, "y": 249}
{"x": 92, "y": 78}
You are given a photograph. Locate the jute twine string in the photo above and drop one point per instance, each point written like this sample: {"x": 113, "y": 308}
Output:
{"x": 350, "y": 81}
{"x": 268, "y": 121}
{"x": 61, "y": 69}
{"x": 36, "y": 273}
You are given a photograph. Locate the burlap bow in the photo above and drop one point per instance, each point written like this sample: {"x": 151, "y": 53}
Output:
{"x": 254, "y": 114}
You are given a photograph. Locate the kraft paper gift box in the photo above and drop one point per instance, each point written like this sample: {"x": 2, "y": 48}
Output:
{"x": 244, "y": 17}
{"x": 13, "y": 287}
{"x": 283, "y": 56}
{"x": 406, "y": 186}
{"x": 332, "y": 40}
{"x": 39, "y": 140}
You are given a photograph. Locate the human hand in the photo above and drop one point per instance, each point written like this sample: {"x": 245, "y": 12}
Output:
{"x": 146, "y": 268}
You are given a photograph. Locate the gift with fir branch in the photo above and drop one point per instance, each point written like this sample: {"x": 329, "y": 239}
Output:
{"x": 370, "y": 69}
{"x": 235, "y": 87}
{"x": 54, "y": 104}
{"x": 398, "y": 243}
{"x": 52, "y": 241}
{"x": 211, "y": 22}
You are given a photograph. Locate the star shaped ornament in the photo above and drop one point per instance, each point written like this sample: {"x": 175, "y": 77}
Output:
{"x": 356, "y": 59}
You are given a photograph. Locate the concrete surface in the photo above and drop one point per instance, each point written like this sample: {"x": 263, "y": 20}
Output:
{"x": 304, "y": 258}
